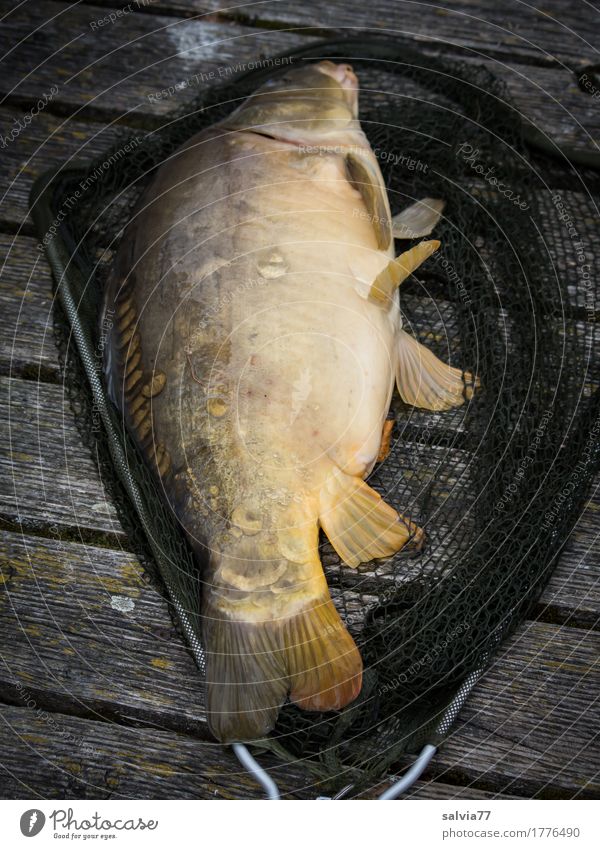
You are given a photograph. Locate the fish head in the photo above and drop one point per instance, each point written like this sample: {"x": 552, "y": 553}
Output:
{"x": 302, "y": 104}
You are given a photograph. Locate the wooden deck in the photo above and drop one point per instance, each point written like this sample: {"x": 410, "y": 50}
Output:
{"x": 99, "y": 697}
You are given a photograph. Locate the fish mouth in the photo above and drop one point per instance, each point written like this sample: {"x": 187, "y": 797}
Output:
{"x": 345, "y": 76}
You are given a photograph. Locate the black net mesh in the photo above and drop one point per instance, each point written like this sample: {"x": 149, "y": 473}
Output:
{"x": 496, "y": 484}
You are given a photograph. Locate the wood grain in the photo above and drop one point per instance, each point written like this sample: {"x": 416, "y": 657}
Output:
{"x": 27, "y": 346}
{"x": 49, "y": 142}
{"x": 48, "y": 476}
{"x": 512, "y": 29}
{"x": 109, "y": 761}
{"x": 118, "y": 71}
{"x": 73, "y": 651}
{"x": 89, "y": 633}
{"x": 572, "y": 594}
{"x": 51, "y": 756}
{"x": 520, "y": 730}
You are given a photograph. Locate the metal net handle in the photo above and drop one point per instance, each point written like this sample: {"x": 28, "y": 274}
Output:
{"x": 272, "y": 791}
{"x": 412, "y": 774}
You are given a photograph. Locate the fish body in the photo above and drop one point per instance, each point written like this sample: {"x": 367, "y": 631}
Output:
{"x": 256, "y": 342}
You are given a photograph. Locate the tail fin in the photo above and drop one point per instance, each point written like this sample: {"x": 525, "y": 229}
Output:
{"x": 253, "y": 665}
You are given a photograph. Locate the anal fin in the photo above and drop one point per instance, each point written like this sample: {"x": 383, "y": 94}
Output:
{"x": 425, "y": 381}
{"x": 359, "y": 523}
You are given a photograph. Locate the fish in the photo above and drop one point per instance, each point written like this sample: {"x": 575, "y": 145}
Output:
{"x": 255, "y": 340}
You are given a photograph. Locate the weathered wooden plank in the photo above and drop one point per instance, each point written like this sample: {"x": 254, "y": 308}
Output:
{"x": 518, "y": 733}
{"x": 445, "y": 792}
{"x": 90, "y": 633}
{"x": 113, "y": 70}
{"x": 510, "y": 31}
{"x": 48, "y": 142}
{"x": 511, "y": 762}
{"x": 89, "y": 636}
{"x": 122, "y": 69}
{"x": 533, "y": 51}
{"x": 48, "y": 476}
{"x": 572, "y": 594}
{"x": 49, "y": 755}
{"x": 27, "y": 345}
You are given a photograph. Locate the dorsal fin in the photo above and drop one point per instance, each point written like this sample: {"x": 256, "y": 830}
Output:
{"x": 364, "y": 175}
{"x": 397, "y": 270}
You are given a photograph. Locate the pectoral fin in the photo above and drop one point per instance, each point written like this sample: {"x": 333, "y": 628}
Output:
{"x": 358, "y": 522}
{"x": 364, "y": 175}
{"x": 397, "y": 270}
{"x": 418, "y": 219}
{"x": 425, "y": 381}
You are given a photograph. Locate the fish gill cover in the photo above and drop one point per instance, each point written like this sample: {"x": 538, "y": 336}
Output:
{"x": 496, "y": 484}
